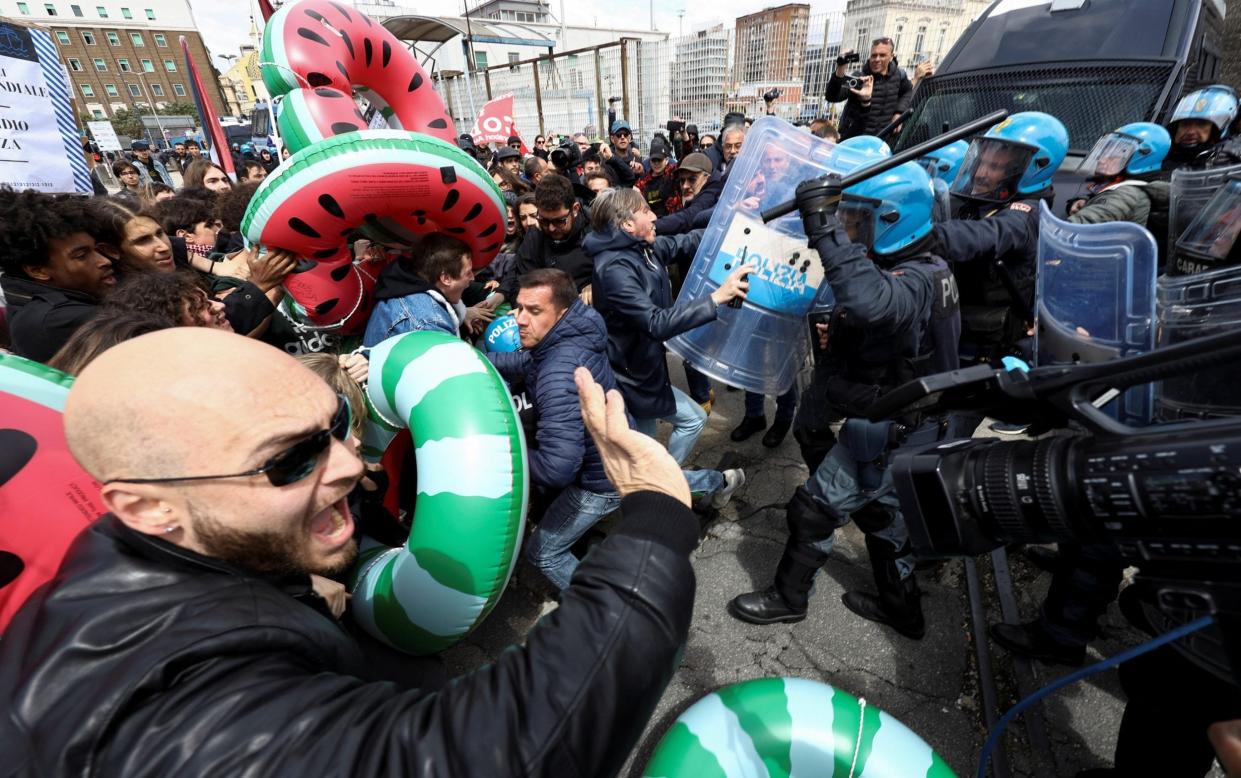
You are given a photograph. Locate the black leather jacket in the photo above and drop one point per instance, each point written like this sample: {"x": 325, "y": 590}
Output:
{"x": 145, "y": 659}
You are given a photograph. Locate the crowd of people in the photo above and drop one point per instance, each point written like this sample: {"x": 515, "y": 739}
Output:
{"x": 188, "y": 602}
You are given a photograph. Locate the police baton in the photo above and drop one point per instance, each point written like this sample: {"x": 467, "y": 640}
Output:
{"x": 900, "y": 158}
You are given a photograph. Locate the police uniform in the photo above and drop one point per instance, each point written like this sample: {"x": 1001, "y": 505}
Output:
{"x": 892, "y": 324}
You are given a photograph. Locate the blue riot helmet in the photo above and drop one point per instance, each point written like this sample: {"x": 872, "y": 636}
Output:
{"x": 1133, "y": 149}
{"x": 945, "y": 163}
{"x": 1216, "y": 104}
{"x": 850, "y": 154}
{"x": 889, "y": 212}
{"x": 1016, "y": 157}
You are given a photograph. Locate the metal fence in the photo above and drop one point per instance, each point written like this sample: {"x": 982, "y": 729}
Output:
{"x": 696, "y": 77}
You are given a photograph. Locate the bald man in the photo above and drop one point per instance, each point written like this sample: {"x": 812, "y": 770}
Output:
{"x": 181, "y": 637}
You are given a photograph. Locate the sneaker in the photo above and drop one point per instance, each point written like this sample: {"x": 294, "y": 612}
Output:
{"x": 706, "y": 405}
{"x": 733, "y": 480}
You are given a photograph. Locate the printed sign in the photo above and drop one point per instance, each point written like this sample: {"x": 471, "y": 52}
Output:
{"x": 39, "y": 146}
{"x": 788, "y": 273}
{"x": 105, "y": 135}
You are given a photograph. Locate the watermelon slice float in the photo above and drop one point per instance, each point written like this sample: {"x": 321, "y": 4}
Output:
{"x": 316, "y": 51}
{"x": 394, "y": 185}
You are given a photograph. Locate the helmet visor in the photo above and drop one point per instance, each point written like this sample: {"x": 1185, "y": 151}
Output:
{"x": 929, "y": 164}
{"x": 1214, "y": 232}
{"x": 992, "y": 169}
{"x": 1110, "y": 155}
{"x": 857, "y": 216}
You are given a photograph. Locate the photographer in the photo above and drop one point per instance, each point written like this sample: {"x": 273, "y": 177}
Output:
{"x": 876, "y": 94}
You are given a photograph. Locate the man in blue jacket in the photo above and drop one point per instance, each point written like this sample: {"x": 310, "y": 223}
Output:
{"x": 423, "y": 292}
{"x": 559, "y": 333}
{"x": 634, "y": 295}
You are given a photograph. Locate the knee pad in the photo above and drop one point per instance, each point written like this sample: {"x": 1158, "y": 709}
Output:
{"x": 809, "y": 520}
{"x": 872, "y": 517}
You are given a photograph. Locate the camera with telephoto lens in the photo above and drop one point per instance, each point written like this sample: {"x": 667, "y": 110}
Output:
{"x": 565, "y": 156}
{"x": 675, "y": 126}
{"x": 1167, "y": 497}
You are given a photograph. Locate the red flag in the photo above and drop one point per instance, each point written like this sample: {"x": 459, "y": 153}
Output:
{"x": 207, "y": 117}
{"x": 495, "y": 123}
{"x": 266, "y": 8}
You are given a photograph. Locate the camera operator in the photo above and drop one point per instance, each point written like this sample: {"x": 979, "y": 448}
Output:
{"x": 896, "y": 317}
{"x": 877, "y": 94}
{"x": 620, "y": 157}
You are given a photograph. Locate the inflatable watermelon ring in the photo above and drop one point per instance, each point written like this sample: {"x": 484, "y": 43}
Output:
{"x": 792, "y": 728}
{"x": 46, "y": 498}
{"x": 328, "y": 298}
{"x": 470, "y": 511}
{"x": 315, "y": 51}
{"x": 369, "y": 179}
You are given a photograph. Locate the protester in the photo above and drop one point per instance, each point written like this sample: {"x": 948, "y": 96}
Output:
{"x": 596, "y": 183}
{"x": 202, "y": 596}
{"x": 55, "y": 274}
{"x": 206, "y": 175}
{"x": 660, "y": 184}
{"x": 556, "y": 243}
{"x": 104, "y": 330}
{"x": 534, "y": 170}
{"x": 540, "y": 148}
{"x": 423, "y": 292}
{"x": 191, "y": 220}
{"x": 883, "y": 94}
{"x": 133, "y": 188}
{"x": 177, "y": 297}
{"x": 527, "y": 213}
{"x": 267, "y": 159}
{"x": 633, "y": 293}
{"x": 136, "y": 241}
{"x": 251, "y": 171}
{"x": 558, "y": 335}
{"x": 509, "y": 158}
{"x": 150, "y": 168}
{"x": 509, "y": 182}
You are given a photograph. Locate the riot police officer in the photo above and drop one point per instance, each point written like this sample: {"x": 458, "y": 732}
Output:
{"x": 896, "y": 317}
{"x": 1199, "y": 130}
{"x": 942, "y": 165}
{"x": 992, "y": 239}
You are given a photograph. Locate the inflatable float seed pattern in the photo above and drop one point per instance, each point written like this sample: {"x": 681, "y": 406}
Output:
{"x": 46, "y": 498}
{"x": 471, "y": 504}
{"x": 321, "y": 194}
{"x": 315, "y": 51}
{"x": 790, "y": 728}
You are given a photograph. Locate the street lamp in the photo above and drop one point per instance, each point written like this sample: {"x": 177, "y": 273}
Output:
{"x": 151, "y": 103}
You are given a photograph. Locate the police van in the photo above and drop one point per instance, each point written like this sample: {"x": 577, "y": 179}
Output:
{"x": 1094, "y": 64}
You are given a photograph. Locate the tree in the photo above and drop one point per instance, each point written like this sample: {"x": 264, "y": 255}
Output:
{"x": 179, "y": 109}
{"x": 129, "y": 122}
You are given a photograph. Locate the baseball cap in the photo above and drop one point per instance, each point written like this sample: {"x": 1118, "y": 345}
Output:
{"x": 139, "y": 145}
{"x": 621, "y": 124}
{"x": 697, "y": 163}
{"x": 514, "y": 139}
{"x": 507, "y": 152}
{"x": 659, "y": 149}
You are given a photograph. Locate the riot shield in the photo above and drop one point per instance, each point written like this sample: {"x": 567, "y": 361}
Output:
{"x": 1096, "y": 299}
{"x": 1191, "y": 190}
{"x": 1190, "y": 307}
{"x": 761, "y": 345}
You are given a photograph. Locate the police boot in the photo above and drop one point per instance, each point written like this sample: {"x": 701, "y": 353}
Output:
{"x": 787, "y": 599}
{"x": 898, "y": 603}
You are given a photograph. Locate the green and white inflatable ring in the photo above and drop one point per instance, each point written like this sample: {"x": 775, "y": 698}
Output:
{"x": 790, "y": 728}
{"x": 471, "y": 503}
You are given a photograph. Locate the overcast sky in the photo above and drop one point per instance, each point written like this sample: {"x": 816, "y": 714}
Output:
{"x": 225, "y": 24}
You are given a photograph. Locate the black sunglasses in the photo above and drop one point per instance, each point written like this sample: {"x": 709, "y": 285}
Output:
{"x": 289, "y": 466}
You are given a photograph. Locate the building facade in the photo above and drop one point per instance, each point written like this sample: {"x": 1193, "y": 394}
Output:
{"x": 770, "y": 50}
{"x": 700, "y": 75}
{"x": 919, "y": 29}
{"x": 121, "y": 54}
{"x": 242, "y": 84}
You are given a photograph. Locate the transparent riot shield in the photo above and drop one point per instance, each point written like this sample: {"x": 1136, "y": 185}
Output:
{"x": 1096, "y": 299}
{"x": 1191, "y": 190}
{"x": 1190, "y": 307}
{"x": 761, "y": 345}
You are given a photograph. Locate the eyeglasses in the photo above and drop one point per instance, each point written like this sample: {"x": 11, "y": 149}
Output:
{"x": 289, "y": 466}
{"x": 558, "y": 221}
{"x": 623, "y": 134}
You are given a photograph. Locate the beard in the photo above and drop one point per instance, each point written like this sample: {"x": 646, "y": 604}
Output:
{"x": 267, "y": 552}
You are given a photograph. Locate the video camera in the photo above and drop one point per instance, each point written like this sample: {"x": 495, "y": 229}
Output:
{"x": 675, "y": 126}
{"x": 848, "y": 58}
{"x": 1167, "y": 497}
{"x": 566, "y": 156}
{"x": 771, "y": 95}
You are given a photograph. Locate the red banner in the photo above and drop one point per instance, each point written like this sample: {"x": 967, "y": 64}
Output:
{"x": 495, "y": 123}
{"x": 220, "y": 153}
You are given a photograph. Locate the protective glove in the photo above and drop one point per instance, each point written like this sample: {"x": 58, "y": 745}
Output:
{"x": 816, "y": 201}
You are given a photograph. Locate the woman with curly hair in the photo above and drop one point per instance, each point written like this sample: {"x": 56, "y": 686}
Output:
{"x": 177, "y": 297}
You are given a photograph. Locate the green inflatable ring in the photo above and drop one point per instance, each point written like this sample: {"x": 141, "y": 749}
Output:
{"x": 790, "y": 728}
{"x": 472, "y": 485}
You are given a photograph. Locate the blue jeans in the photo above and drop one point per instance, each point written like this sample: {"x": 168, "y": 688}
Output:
{"x": 687, "y": 423}
{"x": 574, "y": 512}
{"x": 786, "y": 404}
